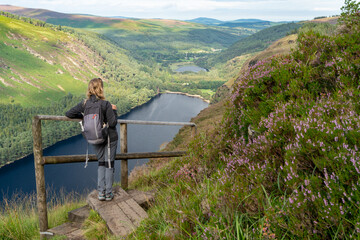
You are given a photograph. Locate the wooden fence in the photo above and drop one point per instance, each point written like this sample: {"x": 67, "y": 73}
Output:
{"x": 124, "y": 156}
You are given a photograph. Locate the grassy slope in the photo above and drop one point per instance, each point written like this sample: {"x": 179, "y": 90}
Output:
{"x": 257, "y": 42}
{"x": 239, "y": 65}
{"x": 207, "y": 122}
{"x": 19, "y": 216}
{"x": 276, "y": 199}
{"x": 280, "y": 47}
{"x": 39, "y": 64}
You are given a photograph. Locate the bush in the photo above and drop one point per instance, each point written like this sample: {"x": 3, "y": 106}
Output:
{"x": 305, "y": 112}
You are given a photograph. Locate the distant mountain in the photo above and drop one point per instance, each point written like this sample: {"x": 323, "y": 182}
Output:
{"x": 232, "y": 23}
{"x": 41, "y": 14}
{"x": 206, "y": 21}
{"x": 254, "y": 24}
{"x": 122, "y": 17}
{"x": 250, "y": 20}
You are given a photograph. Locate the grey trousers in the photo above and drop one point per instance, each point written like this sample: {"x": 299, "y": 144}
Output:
{"x": 105, "y": 174}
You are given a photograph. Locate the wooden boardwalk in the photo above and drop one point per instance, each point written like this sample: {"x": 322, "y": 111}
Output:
{"x": 122, "y": 215}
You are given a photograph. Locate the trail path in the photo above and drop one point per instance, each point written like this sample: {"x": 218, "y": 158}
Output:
{"x": 122, "y": 215}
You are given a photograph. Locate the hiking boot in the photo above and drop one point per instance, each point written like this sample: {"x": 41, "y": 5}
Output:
{"x": 109, "y": 197}
{"x": 101, "y": 197}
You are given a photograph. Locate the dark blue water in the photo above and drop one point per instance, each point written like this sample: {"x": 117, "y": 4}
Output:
{"x": 19, "y": 177}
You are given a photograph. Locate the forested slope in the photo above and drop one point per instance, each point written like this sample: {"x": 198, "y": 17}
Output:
{"x": 254, "y": 43}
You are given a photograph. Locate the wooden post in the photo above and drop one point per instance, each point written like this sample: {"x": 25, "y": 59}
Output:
{"x": 124, "y": 149}
{"x": 193, "y": 131}
{"x": 40, "y": 177}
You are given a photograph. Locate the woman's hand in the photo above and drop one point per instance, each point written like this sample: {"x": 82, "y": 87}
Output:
{"x": 113, "y": 107}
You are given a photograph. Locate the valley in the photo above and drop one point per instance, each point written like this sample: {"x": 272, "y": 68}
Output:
{"x": 276, "y": 153}
{"x": 45, "y": 69}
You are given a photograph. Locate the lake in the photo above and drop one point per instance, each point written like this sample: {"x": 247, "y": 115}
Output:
{"x": 190, "y": 68}
{"x": 19, "y": 177}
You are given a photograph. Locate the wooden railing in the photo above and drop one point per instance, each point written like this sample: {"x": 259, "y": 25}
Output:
{"x": 124, "y": 156}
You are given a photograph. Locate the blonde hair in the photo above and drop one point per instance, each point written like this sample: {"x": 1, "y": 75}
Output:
{"x": 96, "y": 88}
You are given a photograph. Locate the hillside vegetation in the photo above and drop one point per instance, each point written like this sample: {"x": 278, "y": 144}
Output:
{"x": 39, "y": 64}
{"x": 254, "y": 43}
{"x": 284, "y": 163}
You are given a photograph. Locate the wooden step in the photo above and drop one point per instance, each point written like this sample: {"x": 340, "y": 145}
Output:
{"x": 71, "y": 230}
{"x": 79, "y": 215}
{"x": 144, "y": 199}
{"x": 128, "y": 202}
{"x": 122, "y": 214}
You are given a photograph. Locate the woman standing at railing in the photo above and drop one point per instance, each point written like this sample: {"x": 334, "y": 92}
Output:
{"x": 94, "y": 103}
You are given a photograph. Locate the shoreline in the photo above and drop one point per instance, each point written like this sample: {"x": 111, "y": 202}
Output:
{"x": 189, "y": 95}
{"x": 8, "y": 163}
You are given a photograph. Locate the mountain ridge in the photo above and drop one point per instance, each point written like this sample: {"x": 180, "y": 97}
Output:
{"x": 214, "y": 21}
{"x": 160, "y": 40}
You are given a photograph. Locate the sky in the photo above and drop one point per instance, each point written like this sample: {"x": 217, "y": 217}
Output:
{"x": 273, "y": 10}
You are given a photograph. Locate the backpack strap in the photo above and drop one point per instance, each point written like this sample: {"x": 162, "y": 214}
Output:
{"x": 109, "y": 161}
{"x": 87, "y": 155}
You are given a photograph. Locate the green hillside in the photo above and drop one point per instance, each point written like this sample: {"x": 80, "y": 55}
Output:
{"x": 40, "y": 65}
{"x": 256, "y": 42}
{"x": 284, "y": 163}
{"x": 169, "y": 46}
{"x": 156, "y": 40}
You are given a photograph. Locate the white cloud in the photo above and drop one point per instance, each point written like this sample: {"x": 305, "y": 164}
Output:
{"x": 185, "y": 9}
{"x": 325, "y": 9}
{"x": 184, "y": 5}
